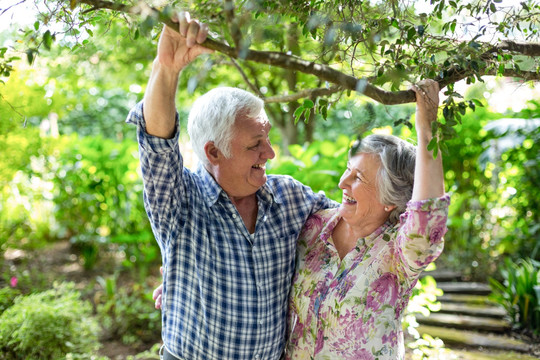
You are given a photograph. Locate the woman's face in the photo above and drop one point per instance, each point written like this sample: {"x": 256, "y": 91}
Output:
{"x": 360, "y": 205}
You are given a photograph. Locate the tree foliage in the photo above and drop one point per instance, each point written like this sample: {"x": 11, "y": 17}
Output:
{"x": 306, "y": 55}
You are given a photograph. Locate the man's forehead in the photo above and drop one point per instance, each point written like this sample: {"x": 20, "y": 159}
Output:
{"x": 260, "y": 120}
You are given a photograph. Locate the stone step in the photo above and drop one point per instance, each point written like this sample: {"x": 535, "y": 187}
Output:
{"x": 475, "y": 339}
{"x": 443, "y": 275}
{"x": 464, "y": 322}
{"x": 466, "y": 299}
{"x": 478, "y": 310}
{"x": 472, "y": 288}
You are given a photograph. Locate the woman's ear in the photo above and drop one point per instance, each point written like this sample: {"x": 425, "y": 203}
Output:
{"x": 389, "y": 208}
{"x": 213, "y": 154}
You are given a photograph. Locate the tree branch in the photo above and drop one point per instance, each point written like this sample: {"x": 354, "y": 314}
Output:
{"x": 324, "y": 72}
{"x": 528, "y": 49}
{"x": 309, "y": 93}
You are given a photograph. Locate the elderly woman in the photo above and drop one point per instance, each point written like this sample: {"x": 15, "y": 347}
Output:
{"x": 357, "y": 264}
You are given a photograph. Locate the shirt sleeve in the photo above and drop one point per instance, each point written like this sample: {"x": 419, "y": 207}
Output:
{"x": 161, "y": 166}
{"x": 422, "y": 227}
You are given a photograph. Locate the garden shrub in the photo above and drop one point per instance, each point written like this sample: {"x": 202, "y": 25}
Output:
{"x": 127, "y": 312}
{"x": 493, "y": 174}
{"x": 48, "y": 325}
{"x": 7, "y": 297}
{"x": 23, "y": 197}
{"x": 98, "y": 195}
{"x": 519, "y": 293}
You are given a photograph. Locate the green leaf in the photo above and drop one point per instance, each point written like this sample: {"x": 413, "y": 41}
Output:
{"x": 36, "y": 25}
{"x": 411, "y": 33}
{"x": 462, "y": 108}
{"x": 474, "y": 45}
{"x": 308, "y": 104}
{"x": 446, "y": 112}
{"x": 432, "y": 144}
{"x": 477, "y": 102}
{"x": 298, "y": 113}
{"x": 444, "y": 148}
{"x": 47, "y": 40}
{"x": 324, "y": 112}
{"x": 30, "y": 55}
{"x": 307, "y": 114}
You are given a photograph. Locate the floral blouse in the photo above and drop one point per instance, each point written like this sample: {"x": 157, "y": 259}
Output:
{"x": 352, "y": 308}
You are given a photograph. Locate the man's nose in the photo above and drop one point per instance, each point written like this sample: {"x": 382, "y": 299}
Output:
{"x": 268, "y": 152}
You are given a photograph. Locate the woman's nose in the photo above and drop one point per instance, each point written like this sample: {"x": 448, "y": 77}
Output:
{"x": 344, "y": 180}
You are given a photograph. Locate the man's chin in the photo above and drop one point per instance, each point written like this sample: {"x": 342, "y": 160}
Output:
{"x": 258, "y": 181}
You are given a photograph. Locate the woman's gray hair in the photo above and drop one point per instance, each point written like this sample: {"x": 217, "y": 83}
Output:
{"x": 395, "y": 178}
{"x": 213, "y": 115}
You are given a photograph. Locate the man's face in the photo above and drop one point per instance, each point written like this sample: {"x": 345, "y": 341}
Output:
{"x": 245, "y": 171}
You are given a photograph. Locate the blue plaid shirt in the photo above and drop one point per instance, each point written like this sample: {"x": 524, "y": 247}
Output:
{"x": 225, "y": 290}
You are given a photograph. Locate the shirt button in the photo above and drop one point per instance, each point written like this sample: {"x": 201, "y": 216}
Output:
{"x": 234, "y": 216}
{"x": 257, "y": 357}
{"x": 261, "y": 322}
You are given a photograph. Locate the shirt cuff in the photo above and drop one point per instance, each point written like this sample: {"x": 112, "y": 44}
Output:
{"x": 147, "y": 141}
{"x": 429, "y": 204}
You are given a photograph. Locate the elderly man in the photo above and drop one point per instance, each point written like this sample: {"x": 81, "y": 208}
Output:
{"x": 227, "y": 232}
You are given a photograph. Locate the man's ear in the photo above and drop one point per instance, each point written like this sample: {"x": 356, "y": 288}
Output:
{"x": 213, "y": 154}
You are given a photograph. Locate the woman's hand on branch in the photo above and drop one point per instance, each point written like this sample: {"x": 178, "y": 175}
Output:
{"x": 427, "y": 105}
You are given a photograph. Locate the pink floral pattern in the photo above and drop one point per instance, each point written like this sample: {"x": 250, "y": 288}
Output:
{"x": 351, "y": 308}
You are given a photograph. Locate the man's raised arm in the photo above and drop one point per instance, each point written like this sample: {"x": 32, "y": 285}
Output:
{"x": 175, "y": 51}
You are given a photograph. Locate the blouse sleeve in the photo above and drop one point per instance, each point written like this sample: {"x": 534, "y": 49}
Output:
{"x": 420, "y": 237}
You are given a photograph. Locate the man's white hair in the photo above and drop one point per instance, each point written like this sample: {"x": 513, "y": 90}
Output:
{"x": 213, "y": 116}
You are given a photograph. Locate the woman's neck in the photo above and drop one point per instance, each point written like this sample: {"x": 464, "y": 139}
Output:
{"x": 346, "y": 236}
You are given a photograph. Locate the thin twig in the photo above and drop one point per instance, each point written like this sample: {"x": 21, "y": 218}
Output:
{"x": 11, "y": 106}
{"x": 7, "y": 9}
{"x": 246, "y": 79}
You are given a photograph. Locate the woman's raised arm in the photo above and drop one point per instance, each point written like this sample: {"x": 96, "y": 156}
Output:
{"x": 428, "y": 174}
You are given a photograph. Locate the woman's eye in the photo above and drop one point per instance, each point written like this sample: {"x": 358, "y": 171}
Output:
{"x": 254, "y": 147}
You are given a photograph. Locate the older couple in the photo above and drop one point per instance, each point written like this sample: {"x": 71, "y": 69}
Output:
{"x": 228, "y": 233}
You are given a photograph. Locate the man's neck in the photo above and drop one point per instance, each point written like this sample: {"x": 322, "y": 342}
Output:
{"x": 247, "y": 208}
